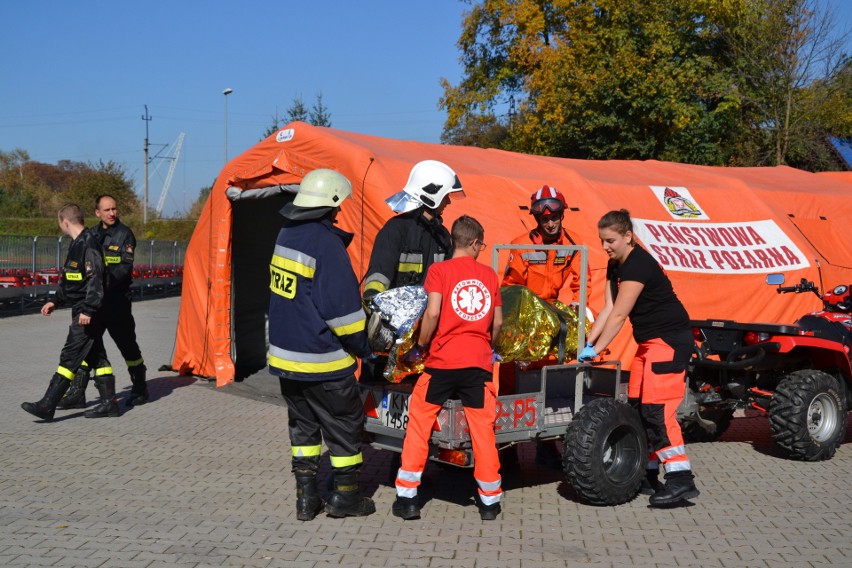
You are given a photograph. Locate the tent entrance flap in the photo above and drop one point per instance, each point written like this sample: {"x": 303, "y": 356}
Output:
{"x": 256, "y": 223}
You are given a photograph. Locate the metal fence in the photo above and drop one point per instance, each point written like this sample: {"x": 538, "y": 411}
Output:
{"x": 29, "y": 270}
{"x": 28, "y": 260}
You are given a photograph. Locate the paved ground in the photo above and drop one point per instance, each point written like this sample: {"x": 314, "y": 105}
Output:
{"x": 199, "y": 477}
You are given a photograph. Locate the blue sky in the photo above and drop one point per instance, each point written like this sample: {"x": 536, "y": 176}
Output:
{"x": 78, "y": 74}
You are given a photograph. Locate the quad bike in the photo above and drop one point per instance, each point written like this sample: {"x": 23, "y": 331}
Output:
{"x": 800, "y": 374}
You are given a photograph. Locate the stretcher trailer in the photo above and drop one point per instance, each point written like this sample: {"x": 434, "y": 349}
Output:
{"x": 584, "y": 405}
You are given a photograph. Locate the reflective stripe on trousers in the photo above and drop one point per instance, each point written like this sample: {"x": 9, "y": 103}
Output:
{"x": 661, "y": 394}
{"x": 415, "y": 448}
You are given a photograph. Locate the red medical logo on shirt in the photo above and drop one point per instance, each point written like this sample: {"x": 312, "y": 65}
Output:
{"x": 471, "y": 300}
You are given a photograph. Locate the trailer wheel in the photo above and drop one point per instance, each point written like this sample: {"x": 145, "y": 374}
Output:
{"x": 693, "y": 432}
{"x": 807, "y": 415}
{"x": 605, "y": 452}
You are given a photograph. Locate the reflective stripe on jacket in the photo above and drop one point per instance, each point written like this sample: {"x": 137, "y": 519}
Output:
{"x": 403, "y": 251}
{"x": 546, "y": 272}
{"x": 119, "y": 246}
{"x": 316, "y": 320}
{"x": 82, "y": 279}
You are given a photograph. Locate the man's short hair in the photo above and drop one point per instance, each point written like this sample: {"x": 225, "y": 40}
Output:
{"x": 72, "y": 212}
{"x": 98, "y": 199}
{"x": 466, "y": 229}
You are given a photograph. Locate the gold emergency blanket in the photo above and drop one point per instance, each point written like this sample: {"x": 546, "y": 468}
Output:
{"x": 397, "y": 368}
{"x": 533, "y": 328}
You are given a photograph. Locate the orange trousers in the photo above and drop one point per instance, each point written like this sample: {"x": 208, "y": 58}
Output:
{"x": 659, "y": 382}
{"x": 415, "y": 449}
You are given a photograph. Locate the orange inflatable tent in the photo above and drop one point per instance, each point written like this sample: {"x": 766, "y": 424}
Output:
{"x": 717, "y": 231}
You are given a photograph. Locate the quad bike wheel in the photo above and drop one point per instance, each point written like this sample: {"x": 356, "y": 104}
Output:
{"x": 807, "y": 415}
{"x": 694, "y": 432}
{"x": 605, "y": 452}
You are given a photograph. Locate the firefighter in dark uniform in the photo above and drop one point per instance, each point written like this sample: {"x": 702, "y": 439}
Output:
{"x": 412, "y": 241}
{"x": 316, "y": 331}
{"x": 118, "y": 244}
{"x": 81, "y": 285}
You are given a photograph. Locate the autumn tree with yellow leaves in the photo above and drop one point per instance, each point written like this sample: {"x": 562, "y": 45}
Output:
{"x": 642, "y": 79}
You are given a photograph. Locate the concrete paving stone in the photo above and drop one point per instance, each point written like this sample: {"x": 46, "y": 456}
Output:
{"x": 311, "y": 556}
{"x": 208, "y": 470}
{"x": 200, "y": 559}
{"x": 124, "y": 563}
{"x": 289, "y": 564}
{"x": 247, "y": 562}
{"x": 445, "y": 563}
{"x": 36, "y": 560}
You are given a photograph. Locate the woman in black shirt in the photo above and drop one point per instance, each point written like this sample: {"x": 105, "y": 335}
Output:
{"x": 638, "y": 288}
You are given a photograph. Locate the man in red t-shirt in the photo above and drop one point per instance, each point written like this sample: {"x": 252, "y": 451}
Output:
{"x": 461, "y": 322}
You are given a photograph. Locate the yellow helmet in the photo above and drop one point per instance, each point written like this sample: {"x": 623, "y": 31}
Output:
{"x": 323, "y": 188}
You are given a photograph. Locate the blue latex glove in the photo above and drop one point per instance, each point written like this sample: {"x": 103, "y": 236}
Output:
{"x": 587, "y": 354}
{"x": 369, "y": 357}
{"x": 495, "y": 357}
{"x": 415, "y": 354}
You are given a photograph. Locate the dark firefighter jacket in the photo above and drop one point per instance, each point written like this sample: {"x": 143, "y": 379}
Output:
{"x": 119, "y": 245}
{"x": 82, "y": 280}
{"x": 403, "y": 251}
{"x": 316, "y": 320}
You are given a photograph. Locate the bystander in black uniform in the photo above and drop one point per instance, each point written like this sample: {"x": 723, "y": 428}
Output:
{"x": 81, "y": 284}
{"x": 118, "y": 244}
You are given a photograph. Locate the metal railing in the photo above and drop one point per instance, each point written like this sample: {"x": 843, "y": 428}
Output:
{"x": 30, "y": 267}
{"x": 33, "y": 257}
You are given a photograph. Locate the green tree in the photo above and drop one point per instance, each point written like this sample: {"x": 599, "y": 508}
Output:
{"x": 32, "y": 189}
{"x": 297, "y": 111}
{"x": 16, "y": 198}
{"x": 679, "y": 80}
{"x": 319, "y": 115}
{"x": 277, "y": 123}
{"x": 198, "y": 205}
{"x": 14, "y": 160}
{"x": 480, "y": 130}
{"x": 788, "y": 66}
{"x": 606, "y": 79}
{"x": 93, "y": 180}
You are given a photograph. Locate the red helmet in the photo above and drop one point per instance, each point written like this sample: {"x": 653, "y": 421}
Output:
{"x": 547, "y": 200}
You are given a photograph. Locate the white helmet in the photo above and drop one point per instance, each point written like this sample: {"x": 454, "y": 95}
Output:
{"x": 429, "y": 182}
{"x": 323, "y": 188}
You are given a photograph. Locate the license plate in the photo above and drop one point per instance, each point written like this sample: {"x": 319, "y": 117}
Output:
{"x": 395, "y": 410}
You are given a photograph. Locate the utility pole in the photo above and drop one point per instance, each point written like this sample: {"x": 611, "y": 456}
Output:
{"x": 147, "y": 119}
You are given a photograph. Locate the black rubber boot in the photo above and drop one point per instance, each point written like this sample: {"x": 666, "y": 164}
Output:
{"x": 489, "y": 512}
{"x": 109, "y": 404}
{"x": 45, "y": 408}
{"x": 651, "y": 484}
{"x": 680, "y": 486}
{"x": 139, "y": 388}
{"x": 406, "y": 508}
{"x": 308, "y": 502}
{"x": 76, "y": 395}
{"x": 346, "y": 501}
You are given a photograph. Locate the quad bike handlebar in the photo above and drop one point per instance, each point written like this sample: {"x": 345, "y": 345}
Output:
{"x": 803, "y": 286}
